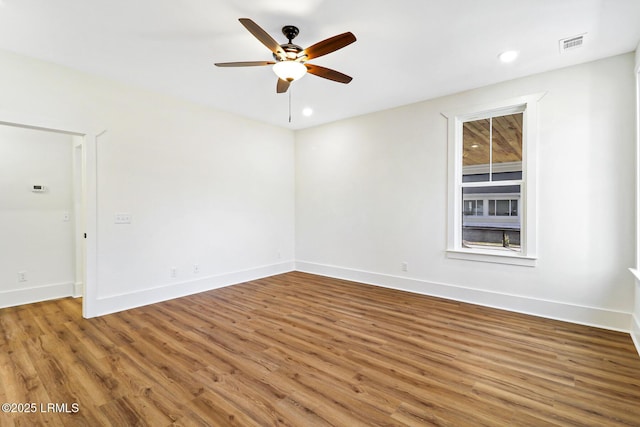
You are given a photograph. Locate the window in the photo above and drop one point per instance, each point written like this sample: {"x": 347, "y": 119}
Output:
{"x": 473, "y": 208}
{"x": 492, "y": 182}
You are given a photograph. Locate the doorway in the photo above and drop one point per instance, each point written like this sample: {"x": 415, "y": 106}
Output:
{"x": 48, "y": 201}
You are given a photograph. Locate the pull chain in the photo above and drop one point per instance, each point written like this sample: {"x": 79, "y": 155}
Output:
{"x": 290, "y": 89}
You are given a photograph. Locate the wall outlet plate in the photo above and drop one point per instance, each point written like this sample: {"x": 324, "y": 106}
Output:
{"x": 122, "y": 218}
{"x": 37, "y": 188}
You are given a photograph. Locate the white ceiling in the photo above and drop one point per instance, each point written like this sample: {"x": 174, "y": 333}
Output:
{"x": 407, "y": 50}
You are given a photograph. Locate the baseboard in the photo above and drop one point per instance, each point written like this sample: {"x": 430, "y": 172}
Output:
{"x": 635, "y": 333}
{"x": 78, "y": 289}
{"x": 590, "y": 316}
{"x": 635, "y": 320}
{"x": 36, "y": 294}
{"x": 112, "y": 304}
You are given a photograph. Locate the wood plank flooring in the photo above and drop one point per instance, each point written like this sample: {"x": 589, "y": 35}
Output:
{"x": 303, "y": 350}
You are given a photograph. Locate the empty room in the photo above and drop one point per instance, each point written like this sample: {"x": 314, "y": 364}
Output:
{"x": 319, "y": 213}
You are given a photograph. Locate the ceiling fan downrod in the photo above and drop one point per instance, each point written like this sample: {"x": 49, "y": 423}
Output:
{"x": 290, "y": 32}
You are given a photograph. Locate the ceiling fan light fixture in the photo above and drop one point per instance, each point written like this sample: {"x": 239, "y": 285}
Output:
{"x": 289, "y": 70}
{"x": 290, "y": 60}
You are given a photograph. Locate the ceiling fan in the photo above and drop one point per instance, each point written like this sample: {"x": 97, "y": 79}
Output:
{"x": 290, "y": 60}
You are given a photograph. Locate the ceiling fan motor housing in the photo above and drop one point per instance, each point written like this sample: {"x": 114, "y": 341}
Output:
{"x": 292, "y": 50}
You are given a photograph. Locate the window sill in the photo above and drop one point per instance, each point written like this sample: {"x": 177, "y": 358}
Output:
{"x": 493, "y": 256}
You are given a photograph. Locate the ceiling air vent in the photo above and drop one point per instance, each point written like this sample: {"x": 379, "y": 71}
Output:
{"x": 571, "y": 43}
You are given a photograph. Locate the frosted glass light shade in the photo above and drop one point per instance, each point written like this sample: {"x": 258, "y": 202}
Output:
{"x": 289, "y": 70}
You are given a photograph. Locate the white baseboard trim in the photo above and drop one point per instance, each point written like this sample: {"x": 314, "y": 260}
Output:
{"x": 635, "y": 319}
{"x": 590, "y": 316}
{"x": 78, "y": 289}
{"x": 635, "y": 332}
{"x": 112, "y": 304}
{"x": 30, "y": 295}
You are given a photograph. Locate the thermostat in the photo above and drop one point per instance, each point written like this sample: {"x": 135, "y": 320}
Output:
{"x": 38, "y": 188}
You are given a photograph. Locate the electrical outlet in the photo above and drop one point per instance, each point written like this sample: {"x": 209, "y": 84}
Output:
{"x": 122, "y": 218}
{"x": 173, "y": 272}
{"x": 22, "y": 276}
{"x": 196, "y": 269}
{"x": 404, "y": 266}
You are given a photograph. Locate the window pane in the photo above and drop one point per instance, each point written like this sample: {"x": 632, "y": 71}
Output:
{"x": 500, "y": 228}
{"x": 502, "y": 208}
{"x": 468, "y": 207}
{"x": 506, "y": 146}
{"x": 475, "y": 150}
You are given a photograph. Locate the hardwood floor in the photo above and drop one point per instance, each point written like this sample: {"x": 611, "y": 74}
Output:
{"x": 303, "y": 350}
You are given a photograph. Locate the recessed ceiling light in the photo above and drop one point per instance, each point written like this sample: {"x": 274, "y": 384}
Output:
{"x": 307, "y": 112}
{"x": 508, "y": 56}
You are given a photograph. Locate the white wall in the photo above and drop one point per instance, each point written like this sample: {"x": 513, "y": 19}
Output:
{"x": 371, "y": 192}
{"x": 202, "y": 186}
{"x": 36, "y": 237}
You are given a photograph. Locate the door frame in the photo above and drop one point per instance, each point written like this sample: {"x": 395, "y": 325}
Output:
{"x": 88, "y": 192}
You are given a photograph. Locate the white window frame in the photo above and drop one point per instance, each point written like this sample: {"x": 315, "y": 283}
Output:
{"x": 527, "y": 256}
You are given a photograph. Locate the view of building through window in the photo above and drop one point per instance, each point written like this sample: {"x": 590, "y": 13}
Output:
{"x": 492, "y": 182}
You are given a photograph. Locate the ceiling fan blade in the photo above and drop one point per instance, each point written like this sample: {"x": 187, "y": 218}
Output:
{"x": 244, "y": 64}
{"x": 263, "y": 36}
{"x": 282, "y": 86}
{"x": 328, "y": 45}
{"x": 328, "y": 73}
